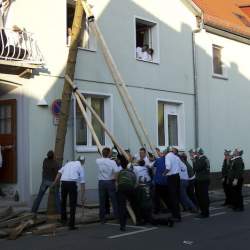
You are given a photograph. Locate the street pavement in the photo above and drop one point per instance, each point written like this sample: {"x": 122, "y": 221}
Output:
{"x": 224, "y": 229}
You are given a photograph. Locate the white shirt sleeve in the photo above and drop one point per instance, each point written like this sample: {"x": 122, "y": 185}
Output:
{"x": 81, "y": 175}
{"x": 61, "y": 170}
{"x": 167, "y": 163}
{"x": 115, "y": 167}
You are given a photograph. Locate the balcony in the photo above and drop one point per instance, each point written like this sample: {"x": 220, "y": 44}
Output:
{"x": 19, "y": 52}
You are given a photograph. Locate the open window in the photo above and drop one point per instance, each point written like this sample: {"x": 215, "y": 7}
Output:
{"x": 146, "y": 40}
{"x": 87, "y": 40}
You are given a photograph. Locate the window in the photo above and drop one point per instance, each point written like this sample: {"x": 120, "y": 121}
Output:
{"x": 87, "y": 40}
{"x": 83, "y": 137}
{"x": 218, "y": 66}
{"x": 170, "y": 127}
{"x": 5, "y": 119}
{"x": 146, "y": 40}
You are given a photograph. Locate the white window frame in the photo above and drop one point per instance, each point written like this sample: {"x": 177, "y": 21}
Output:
{"x": 108, "y": 120}
{"x": 154, "y": 36}
{"x": 92, "y": 44}
{"x": 179, "y": 106}
{"x": 224, "y": 74}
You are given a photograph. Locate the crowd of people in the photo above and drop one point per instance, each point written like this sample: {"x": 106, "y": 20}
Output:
{"x": 149, "y": 184}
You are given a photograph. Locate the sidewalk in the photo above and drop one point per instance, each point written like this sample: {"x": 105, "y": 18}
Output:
{"x": 91, "y": 213}
{"x": 218, "y": 195}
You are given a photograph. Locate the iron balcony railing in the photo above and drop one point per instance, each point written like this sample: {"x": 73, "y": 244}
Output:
{"x": 19, "y": 46}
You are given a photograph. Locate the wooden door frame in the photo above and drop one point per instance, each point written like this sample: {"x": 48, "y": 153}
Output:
{"x": 13, "y": 103}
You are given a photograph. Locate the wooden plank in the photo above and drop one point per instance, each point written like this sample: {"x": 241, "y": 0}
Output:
{"x": 131, "y": 213}
{"x": 15, "y": 220}
{"x": 6, "y": 212}
{"x": 19, "y": 229}
{"x": 45, "y": 229}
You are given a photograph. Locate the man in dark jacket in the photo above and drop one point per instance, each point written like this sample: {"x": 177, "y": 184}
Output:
{"x": 236, "y": 179}
{"x": 227, "y": 187}
{"x": 50, "y": 169}
{"x": 202, "y": 171}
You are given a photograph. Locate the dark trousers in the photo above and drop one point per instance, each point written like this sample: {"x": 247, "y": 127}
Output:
{"x": 107, "y": 189}
{"x": 227, "y": 187}
{"x": 123, "y": 197}
{"x": 191, "y": 192}
{"x": 174, "y": 195}
{"x": 201, "y": 189}
{"x": 237, "y": 198}
{"x": 69, "y": 188}
{"x": 160, "y": 193}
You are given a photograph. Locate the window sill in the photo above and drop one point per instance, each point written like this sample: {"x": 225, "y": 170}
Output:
{"x": 153, "y": 62}
{"x": 86, "y": 149}
{"x": 84, "y": 49}
{"x": 222, "y": 77}
{"x": 180, "y": 148}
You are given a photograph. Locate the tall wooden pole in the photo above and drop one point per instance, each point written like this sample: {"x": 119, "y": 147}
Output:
{"x": 66, "y": 98}
{"x": 67, "y": 90}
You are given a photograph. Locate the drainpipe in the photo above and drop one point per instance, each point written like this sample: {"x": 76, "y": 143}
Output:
{"x": 196, "y": 101}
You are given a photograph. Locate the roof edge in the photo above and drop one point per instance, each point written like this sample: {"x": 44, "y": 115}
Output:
{"x": 227, "y": 34}
{"x": 194, "y": 8}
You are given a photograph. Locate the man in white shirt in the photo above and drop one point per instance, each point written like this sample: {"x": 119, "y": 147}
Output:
{"x": 107, "y": 171}
{"x": 184, "y": 198}
{"x": 142, "y": 156}
{"x": 71, "y": 174}
{"x": 173, "y": 167}
{"x": 142, "y": 172}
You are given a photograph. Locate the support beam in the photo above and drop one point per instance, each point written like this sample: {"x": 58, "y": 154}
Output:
{"x": 120, "y": 148}
{"x": 119, "y": 82}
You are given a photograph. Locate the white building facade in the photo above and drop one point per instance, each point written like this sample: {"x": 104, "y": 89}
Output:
{"x": 165, "y": 88}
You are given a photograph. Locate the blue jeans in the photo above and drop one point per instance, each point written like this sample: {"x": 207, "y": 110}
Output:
{"x": 185, "y": 201}
{"x": 43, "y": 188}
{"x": 107, "y": 189}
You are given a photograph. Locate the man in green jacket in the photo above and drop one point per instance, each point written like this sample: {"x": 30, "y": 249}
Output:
{"x": 236, "y": 179}
{"x": 202, "y": 171}
{"x": 227, "y": 187}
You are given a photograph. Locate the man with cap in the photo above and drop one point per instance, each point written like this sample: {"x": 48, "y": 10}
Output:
{"x": 236, "y": 179}
{"x": 173, "y": 167}
{"x": 202, "y": 172}
{"x": 226, "y": 166}
{"x": 71, "y": 174}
